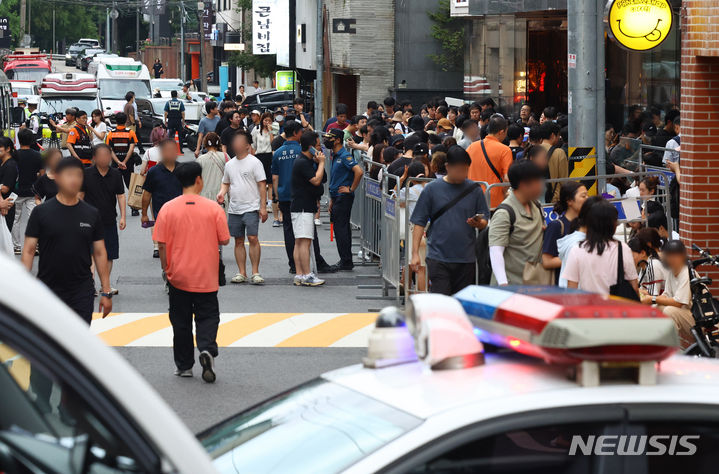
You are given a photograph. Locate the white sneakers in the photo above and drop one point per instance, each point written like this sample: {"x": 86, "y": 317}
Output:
{"x": 308, "y": 280}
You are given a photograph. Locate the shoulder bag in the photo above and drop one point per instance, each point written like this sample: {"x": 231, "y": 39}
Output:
{"x": 534, "y": 272}
{"x": 489, "y": 162}
{"x": 622, "y": 288}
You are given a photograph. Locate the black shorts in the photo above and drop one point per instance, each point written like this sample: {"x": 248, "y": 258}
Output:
{"x": 112, "y": 242}
{"x": 266, "y": 159}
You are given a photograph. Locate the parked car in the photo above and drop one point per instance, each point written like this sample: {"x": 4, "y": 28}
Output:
{"x": 89, "y": 56}
{"x": 90, "y": 42}
{"x": 85, "y": 56}
{"x": 270, "y": 99}
{"x": 72, "y": 53}
{"x": 165, "y": 86}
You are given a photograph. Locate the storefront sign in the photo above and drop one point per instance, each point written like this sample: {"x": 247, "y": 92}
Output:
{"x": 284, "y": 80}
{"x": 263, "y": 37}
{"x": 640, "y": 25}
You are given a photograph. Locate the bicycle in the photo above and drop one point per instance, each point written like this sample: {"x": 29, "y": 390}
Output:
{"x": 705, "y": 308}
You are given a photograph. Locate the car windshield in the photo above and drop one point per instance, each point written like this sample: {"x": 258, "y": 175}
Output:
{"x": 54, "y": 105}
{"x": 115, "y": 89}
{"x": 27, "y": 73}
{"x": 318, "y": 427}
{"x": 76, "y": 48}
{"x": 167, "y": 85}
{"x": 23, "y": 90}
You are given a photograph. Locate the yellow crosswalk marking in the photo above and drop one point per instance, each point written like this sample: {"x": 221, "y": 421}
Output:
{"x": 129, "y": 332}
{"x": 243, "y": 329}
{"x": 238, "y": 328}
{"x": 329, "y": 332}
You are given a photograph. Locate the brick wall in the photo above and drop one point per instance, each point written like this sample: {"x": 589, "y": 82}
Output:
{"x": 699, "y": 200}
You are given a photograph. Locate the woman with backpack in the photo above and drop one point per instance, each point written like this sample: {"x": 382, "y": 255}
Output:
{"x": 601, "y": 264}
{"x": 571, "y": 198}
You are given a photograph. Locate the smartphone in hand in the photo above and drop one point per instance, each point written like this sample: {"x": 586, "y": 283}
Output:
{"x": 147, "y": 224}
{"x": 12, "y": 197}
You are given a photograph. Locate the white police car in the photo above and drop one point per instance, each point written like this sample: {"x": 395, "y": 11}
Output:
{"x": 68, "y": 404}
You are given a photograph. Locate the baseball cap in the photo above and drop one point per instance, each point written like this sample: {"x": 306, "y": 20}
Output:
{"x": 256, "y": 112}
{"x": 335, "y": 133}
{"x": 33, "y": 101}
{"x": 420, "y": 149}
{"x": 396, "y": 140}
{"x": 445, "y": 124}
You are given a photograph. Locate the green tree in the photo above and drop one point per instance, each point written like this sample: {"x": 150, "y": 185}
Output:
{"x": 449, "y": 32}
{"x": 11, "y": 9}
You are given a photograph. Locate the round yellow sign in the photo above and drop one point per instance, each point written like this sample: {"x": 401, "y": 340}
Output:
{"x": 640, "y": 25}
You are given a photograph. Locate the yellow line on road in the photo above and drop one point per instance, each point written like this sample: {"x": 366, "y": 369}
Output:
{"x": 238, "y": 328}
{"x": 129, "y": 332}
{"x": 329, "y": 332}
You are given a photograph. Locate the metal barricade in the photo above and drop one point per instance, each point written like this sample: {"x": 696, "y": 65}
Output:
{"x": 356, "y": 215}
{"x": 371, "y": 213}
{"x": 392, "y": 244}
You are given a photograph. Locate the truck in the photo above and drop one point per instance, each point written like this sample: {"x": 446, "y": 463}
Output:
{"x": 60, "y": 91}
{"x": 27, "y": 67}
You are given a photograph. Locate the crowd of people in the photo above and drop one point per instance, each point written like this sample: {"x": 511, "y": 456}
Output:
{"x": 250, "y": 164}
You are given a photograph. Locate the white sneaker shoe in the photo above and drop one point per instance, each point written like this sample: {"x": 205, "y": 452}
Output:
{"x": 298, "y": 280}
{"x": 312, "y": 280}
{"x": 318, "y": 222}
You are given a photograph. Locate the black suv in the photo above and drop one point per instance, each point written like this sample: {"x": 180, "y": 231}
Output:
{"x": 271, "y": 99}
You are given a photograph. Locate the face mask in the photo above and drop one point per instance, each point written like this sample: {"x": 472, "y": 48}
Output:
{"x": 329, "y": 144}
{"x": 279, "y": 118}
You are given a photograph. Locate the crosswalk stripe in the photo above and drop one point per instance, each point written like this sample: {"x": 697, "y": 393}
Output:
{"x": 127, "y": 333}
{"x": 241, "y": 327}
{"x": 244, "y": 329}
{"x": 329, "y": 332}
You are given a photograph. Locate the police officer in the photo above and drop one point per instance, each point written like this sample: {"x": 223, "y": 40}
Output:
{"x": 175, "y": 117}
{"x": 122, "y": 142}
{"x": 345, "y": 177}
{"x": 79, "y": 140}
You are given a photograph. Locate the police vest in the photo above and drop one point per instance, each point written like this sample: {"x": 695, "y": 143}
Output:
{"x": 83, "y": 145}
{"x": 174, "y": 112}
{"x": 119, "y": 140}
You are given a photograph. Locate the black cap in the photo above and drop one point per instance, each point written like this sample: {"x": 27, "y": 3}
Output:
{"x": 335, "y": 133}
{"x": 420, "y": 149}
{"x": 396, "y": 140}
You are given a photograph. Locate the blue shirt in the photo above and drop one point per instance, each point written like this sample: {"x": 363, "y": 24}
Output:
{"x": 449, "y": 239}
{"x": 342, "y": 174}
{"x": 282, "y": 162}
{"x": 208, "y": 125}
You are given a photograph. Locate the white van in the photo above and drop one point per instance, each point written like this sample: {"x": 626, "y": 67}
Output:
{"x": 116, "y": 77}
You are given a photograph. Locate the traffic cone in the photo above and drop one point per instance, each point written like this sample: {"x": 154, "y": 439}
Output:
{"x": 177, "y": 140}
{"x": 332, "y": 231}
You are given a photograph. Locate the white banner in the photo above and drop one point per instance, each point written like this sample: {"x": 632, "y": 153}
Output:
{"x": 264, "y": 35}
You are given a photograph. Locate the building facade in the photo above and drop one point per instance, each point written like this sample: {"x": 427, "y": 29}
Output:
{"x": 517, "y": 54}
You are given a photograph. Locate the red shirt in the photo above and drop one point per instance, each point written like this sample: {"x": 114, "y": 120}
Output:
{"x": 192, "y": 227}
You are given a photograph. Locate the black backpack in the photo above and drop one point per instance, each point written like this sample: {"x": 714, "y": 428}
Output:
{"x": 484, "y": 263}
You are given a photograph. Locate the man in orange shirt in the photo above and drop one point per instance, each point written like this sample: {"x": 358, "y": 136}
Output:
{"x": 189, "y": 230}
{"x": 491, "y": 158}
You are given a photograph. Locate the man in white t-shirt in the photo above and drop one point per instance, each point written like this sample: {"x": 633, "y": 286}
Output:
{"x": 244, "y": 179}
{"x": 676, "y": 301}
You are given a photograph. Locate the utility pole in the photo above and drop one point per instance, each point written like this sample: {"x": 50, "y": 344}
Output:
{"x": 200, "y": 19}
{"x": 23, "y": 15}
{"x": 54, "y": 47}
{"x": 320, "y": 65}
{"x": 137, "y": 32}
{"x": 29, "y": 17}
{"x": 182, "y": 41}
{"x": 585, "y": 41}
{"x": 107, "y": 30}
{"x": 114, "y": 16}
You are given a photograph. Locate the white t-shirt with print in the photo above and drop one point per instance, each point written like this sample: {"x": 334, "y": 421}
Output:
{"x": 243, "y": 175}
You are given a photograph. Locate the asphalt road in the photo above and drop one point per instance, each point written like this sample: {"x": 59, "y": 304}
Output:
{"x": 250, "y": 374}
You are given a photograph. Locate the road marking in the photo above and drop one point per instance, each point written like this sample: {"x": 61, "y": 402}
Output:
{"x": 243, "y": 329}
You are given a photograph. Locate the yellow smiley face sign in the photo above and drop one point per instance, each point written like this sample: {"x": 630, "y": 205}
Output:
{"x": 640, "y": 25}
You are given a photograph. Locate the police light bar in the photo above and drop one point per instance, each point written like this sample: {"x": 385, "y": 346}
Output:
{"x": 568, "y": 326}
